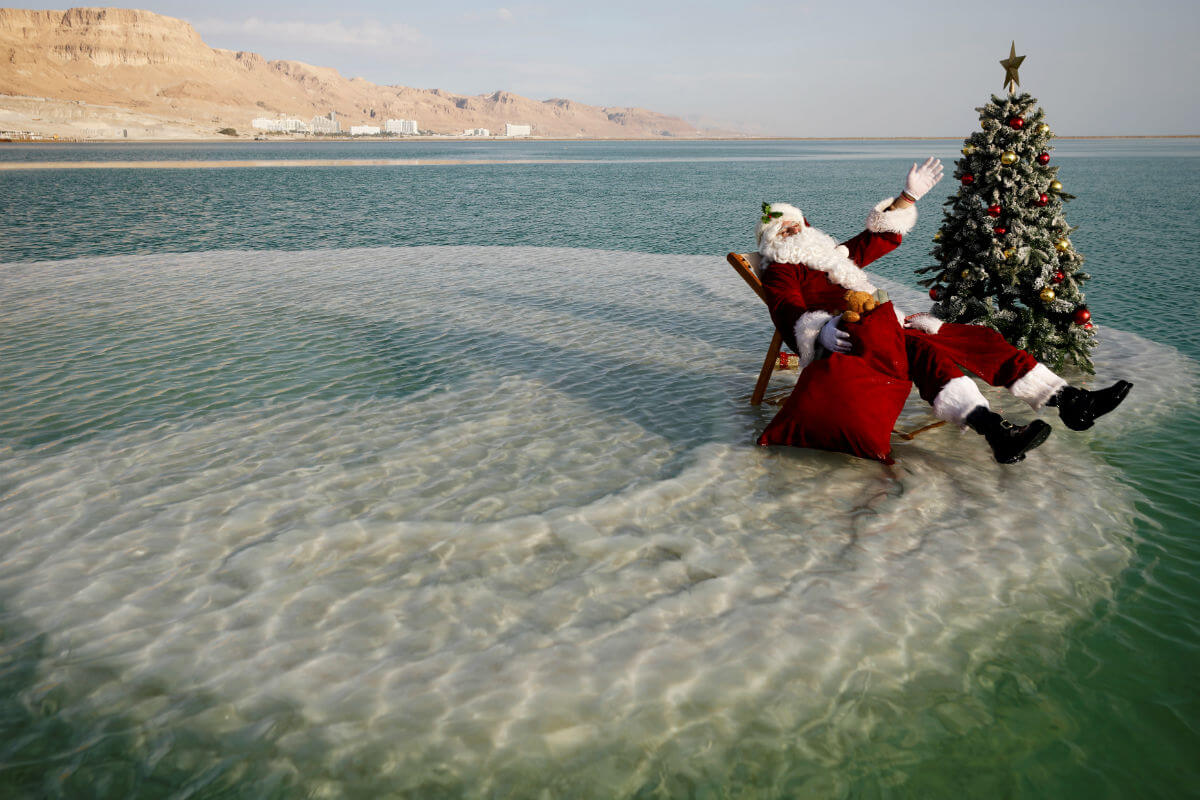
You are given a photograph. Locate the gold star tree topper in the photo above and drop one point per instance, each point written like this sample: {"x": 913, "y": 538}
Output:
{"x": 1011, "y": 64}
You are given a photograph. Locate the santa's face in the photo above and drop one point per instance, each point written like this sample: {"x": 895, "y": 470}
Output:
{"x": 790, "y": 228}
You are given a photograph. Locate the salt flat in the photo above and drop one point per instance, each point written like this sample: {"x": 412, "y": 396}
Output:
{"x": 486, "y": 517}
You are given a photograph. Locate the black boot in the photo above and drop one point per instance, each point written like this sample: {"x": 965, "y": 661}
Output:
{"x": 1009, "y": 442}
{"x": 1079, "y": 408}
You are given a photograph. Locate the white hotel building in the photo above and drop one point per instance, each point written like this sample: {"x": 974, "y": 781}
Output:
{"x": 364, "y": 130}
{"x": 517, "y": 130}
{"x": 400, "y": 126}
{"x": 327, "y": 124}
{"x": 281, "y": 125}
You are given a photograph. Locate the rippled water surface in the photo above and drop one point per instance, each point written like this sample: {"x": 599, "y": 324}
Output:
{"x": 360, "y": 483}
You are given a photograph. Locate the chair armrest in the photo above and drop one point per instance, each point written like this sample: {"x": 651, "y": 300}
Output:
{"x": 747, "y": 266}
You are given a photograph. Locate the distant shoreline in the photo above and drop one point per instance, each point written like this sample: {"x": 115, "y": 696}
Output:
{"x": 478, "y": 139}
{"x": 12, "y": 166}
{"x": 365, "y": 160}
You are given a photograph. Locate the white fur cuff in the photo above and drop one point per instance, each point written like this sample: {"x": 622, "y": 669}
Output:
{"x": 923, "y": 322}
{"x": 808, "y": 327}
{"x": 1037, "y": 386}
{"x": 958, "y": 398}
{"x": 900, "y": 221}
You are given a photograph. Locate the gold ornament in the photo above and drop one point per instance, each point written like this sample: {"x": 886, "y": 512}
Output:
{"x": 1010, "y": 64}
{"x": 937, "y": 237}
{"x": 1009, "y": 253}
{"x": 968, "y": 149}
{"x": 1047, "y": 295}
{"x": 966, "y": 273}
{"x": 1055, "y": 187}
{"x": 983, "y": 123}
{"x": 1008, "y": 158}
{"x": 1062, "y": 245}
{"x": 1043, "y": 128}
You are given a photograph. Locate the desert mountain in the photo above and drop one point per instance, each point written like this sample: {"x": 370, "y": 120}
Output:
{"x": 90, "y": 71}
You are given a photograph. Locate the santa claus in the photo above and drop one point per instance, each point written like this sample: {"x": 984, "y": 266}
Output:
{"x": 807, "y": 275}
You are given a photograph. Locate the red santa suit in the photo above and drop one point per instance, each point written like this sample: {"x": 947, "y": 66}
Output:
{"x": 806, "y": 276}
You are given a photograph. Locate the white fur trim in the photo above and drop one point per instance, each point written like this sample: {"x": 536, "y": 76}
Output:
{"x": 1037, "y": 386}
{"x": 817, "y": 250}
{"x": 958, "y": 398}
{"x": 789, "y": 211}
{"x": 900, "y": 221}
{"x": 923, "y": 322}
{"x": 808, "y": 327}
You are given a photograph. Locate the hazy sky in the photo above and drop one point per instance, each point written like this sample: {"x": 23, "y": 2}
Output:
{"x": 803, "y": 68}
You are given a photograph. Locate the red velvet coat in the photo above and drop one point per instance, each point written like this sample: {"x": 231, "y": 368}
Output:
{"x": 794, "y": 289}
{"x": 844, "y": 403}
{"x": 850, "y": 402}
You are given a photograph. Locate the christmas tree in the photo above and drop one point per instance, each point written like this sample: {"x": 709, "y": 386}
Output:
{"x": 1003, "y": 252}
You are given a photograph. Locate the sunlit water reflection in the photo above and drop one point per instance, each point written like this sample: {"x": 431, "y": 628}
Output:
{"x": 490, "y": 519}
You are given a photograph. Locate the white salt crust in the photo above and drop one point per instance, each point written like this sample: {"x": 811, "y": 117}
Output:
{"x": 571, "y": 565}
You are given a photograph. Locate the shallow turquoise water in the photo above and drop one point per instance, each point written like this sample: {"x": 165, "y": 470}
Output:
{"x": 1075, "y": 678}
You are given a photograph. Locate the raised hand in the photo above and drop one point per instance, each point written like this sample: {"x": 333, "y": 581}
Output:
{"x": 921, "y": 179}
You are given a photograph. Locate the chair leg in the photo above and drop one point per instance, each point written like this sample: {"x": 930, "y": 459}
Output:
{"x": 908, "y": 437}
{"x": 764, "y": 377}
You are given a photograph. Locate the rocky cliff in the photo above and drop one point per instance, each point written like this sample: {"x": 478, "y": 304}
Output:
{"x": 74, "y": 66}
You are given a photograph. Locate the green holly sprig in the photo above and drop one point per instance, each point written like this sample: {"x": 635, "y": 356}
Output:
{"x": 768, "y": 214}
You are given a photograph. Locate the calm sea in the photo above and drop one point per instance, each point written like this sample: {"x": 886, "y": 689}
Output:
{"x": 438, "y": 481}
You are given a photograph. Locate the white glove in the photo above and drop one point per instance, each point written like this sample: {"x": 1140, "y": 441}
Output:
{"x": 921, "y": 179}
{"x": 833, "y": 338}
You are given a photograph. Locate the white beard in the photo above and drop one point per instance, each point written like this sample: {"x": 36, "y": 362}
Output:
{"x": 817, "y": 250}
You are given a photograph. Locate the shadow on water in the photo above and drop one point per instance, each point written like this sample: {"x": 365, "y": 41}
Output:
{"x": 268, "y": 360}
{"x": 671, "y": 403}
{"x": 676, "y": 323}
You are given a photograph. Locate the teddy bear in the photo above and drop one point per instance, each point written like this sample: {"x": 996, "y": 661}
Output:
{"x": 857, "y": 304}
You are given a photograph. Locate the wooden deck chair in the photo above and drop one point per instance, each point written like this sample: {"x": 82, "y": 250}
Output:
{"x": 747, "y": 266}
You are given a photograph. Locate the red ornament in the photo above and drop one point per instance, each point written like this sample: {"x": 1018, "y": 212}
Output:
{"x": 968, "y": 179}
{"x": 994, "y": 211}
{"x": 1000, "y": 230}
{"x": 1058, "y": 277}
{"x": 1081, "y": 315}
{"x": 936, "y": 292}
{"x": 1016, "y": 123}
{"x": 1043, "y": 199}
{"x": 1043, "y": 158}
{"x": 1087, "y": 326}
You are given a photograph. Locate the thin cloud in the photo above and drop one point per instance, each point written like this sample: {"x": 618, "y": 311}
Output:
{"x": 369, "y": 34}
{"x": 499, "y": 15}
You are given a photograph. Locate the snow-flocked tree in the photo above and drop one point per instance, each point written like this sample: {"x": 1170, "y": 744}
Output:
{"x": 1004, "y": 256}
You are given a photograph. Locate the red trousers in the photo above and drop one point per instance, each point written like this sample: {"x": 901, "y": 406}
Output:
{"x": 934, "y": 359}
